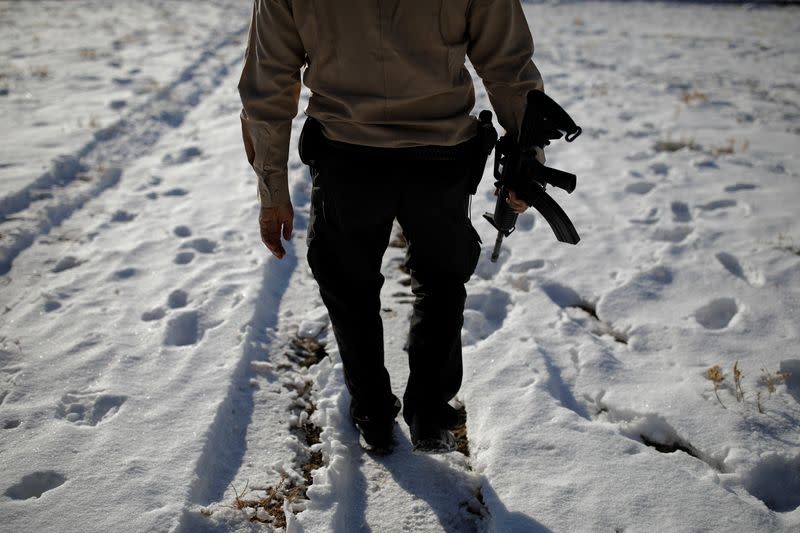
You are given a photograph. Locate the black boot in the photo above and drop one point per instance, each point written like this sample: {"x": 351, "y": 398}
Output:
{"x": 376, "y": 429}
{"x": 452, "y": 418}
{"x": 428, "y": 435}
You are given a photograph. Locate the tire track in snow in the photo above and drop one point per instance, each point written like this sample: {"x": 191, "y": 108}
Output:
{"x": 76, "y": 178}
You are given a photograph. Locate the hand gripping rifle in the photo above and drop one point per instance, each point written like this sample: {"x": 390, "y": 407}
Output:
{"x": 517, "y": 169}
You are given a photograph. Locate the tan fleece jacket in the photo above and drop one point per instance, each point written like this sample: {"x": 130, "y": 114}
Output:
{"x": 387, "y": 73}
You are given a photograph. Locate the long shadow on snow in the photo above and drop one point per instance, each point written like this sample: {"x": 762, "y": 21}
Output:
{"x": 225, "y": 444}
{"x": 433, "y": 481}
{"x": 559, "y": 389}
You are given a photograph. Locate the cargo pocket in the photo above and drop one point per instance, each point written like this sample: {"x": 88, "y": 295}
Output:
{"x": 317, "y": 211}
{"x": 475, "y": 252}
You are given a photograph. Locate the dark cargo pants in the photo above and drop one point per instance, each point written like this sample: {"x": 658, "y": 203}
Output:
{"x": 354, "y": 203}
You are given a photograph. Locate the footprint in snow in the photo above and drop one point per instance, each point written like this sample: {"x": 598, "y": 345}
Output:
{"x": 233, "y": 235}
{"x": 732, "y": 265}
{"x": 640, "y": 133}
{"x": 717, "y": 314}
{"x": 484, "y": 313}
{"x": 526, "y": 266}
{"x": 792, "y": 367}
{"x": 740, "y": 187}
{"x": 561, "y": 295}
{"x": 183, "y": 329}
{"x": 122, "y": 216}
{"x": 88, "y": 409}
{"x": 125, "y": 273}
{"x": 716, "y": 204}
{"x": 526, "y": 221}
{"x": 675, "y": 235}
{"x": 488, "y": 270}
{"x": 639, "y": 187}
{"x": 651, "y": 217}
{"x": 177, "y": 299}
{"x": 705, "y": 164}
{"x": 680, "y": 212}
{"x": 154, "y": 314}
{"x": 644, "y": 287}
{"x": 35, "y": 484}
{"x": 182, "y": 231}
{"x": 640, "y": 156}
{"x": 53, "y": 300}
{"x": 171, "y": 117}
{"x": 202, "y": 245}
{"x": 51, "y": 305}
{"x": 777, "y": 168}
{"x": 66, "y": 263}
{"x": 184, "y": 156}
{"x": 184, "y": 258}
{"x": 774, "y": 481}
{"x": 626, "y": 116}
{"x": 660, "y": 169}
{"x": 177, "y": 191}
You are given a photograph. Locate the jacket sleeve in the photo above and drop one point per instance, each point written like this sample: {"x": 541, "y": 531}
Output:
{"x": 269, "y": 88}
{"x": 500, "y": 48}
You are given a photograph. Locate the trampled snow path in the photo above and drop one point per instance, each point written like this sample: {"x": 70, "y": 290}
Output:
{"x": 143, "y": 377}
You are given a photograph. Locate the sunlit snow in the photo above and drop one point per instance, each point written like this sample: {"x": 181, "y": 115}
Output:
{"x": 148, "y": 375}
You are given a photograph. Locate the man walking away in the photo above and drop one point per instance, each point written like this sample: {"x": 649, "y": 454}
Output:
{"x": 389, "y": 136}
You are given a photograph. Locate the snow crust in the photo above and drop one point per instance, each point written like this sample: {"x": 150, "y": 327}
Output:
{"x": 146, "y": 368}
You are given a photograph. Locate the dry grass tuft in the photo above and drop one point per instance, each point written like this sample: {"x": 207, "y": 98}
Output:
{"x": 694, "y": 97}
{"x": 737, "y": 380}
{"x": 668, "y": 145}
{"x": 41, "y": 72}
{"x": 269, "y": 508}
{"x": 730, "y": 148}
{"x": 307, "y": 351}
{"x": 769, "y": 380}
{"x": 460, "y": 432}
{"x": 717, "y": 377}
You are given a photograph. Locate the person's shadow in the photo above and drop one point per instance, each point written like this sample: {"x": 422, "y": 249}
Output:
{"x": 434, "y": 481}
{"x": 449, "y": 491}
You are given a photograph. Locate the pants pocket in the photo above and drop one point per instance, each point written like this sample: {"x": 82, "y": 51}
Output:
{"x": 317, "y": 212}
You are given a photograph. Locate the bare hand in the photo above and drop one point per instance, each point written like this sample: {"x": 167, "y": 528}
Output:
{"x": 273, "y": 222}
{"x": 516, "y": 204}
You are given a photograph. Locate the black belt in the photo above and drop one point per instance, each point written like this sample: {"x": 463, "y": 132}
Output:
{"x": 412, "y": 153}
{"x": 314, "y": 146}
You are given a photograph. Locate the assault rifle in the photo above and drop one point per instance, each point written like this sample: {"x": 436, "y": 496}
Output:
{"x": 517, "y": 169}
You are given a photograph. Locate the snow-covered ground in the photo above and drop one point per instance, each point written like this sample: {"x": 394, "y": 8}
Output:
{"x": 150, "y": 372}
